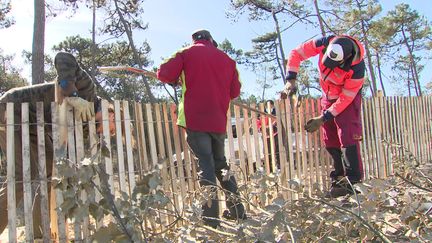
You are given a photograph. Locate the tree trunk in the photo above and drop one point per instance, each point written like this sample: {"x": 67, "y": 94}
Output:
{"x": 379, "y": 73}
{"x": 416, "y": 88}
{"x": 93, "y": 47}
{"x": 413, "y": 64}
{"x": 368, "y": 54}
{"x": 282, "y": 54}
{"x": 152, "y": 99}
{"x": 38, "y": 42}
{"x": 320, "y": 20}
{"x": 265, "y": 83}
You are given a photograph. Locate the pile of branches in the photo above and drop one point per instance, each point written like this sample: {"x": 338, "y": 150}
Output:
{"x": 395, "y": 209}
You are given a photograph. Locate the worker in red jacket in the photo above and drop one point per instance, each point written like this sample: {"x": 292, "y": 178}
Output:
{"x": 342, "y": 69}
{"x": 209, "y": 80}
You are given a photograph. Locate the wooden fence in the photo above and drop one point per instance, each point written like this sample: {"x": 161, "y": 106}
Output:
{"x": 147, "y": 136}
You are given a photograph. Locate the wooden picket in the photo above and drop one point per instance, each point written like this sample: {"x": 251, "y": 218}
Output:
{"x": 147, "y": 138}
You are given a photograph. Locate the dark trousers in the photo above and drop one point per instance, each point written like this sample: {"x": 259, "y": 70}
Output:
{"x": 342, "y": 136}
{"x": 208, "y": 149}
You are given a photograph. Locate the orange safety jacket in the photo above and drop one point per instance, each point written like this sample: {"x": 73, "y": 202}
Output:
{"x": 341, "y": 83}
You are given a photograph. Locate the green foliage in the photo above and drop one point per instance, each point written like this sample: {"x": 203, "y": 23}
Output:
{"x": 120, "y": 86}
{"x": 228, "y": 48}
{"x": 268, "y": 48}
{"x": 5, "y": 8}
{"x": 9, "y": 75}
{"x": 410, "y": 37}
{"x": 50, "y": 73}
{"x": 308, "y": 79}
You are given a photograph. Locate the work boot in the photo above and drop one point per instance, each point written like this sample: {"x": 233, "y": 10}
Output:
{"x": 341, "y": 188}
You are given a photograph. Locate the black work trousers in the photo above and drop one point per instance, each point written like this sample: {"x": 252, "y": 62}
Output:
{"x": 208, "y": 149}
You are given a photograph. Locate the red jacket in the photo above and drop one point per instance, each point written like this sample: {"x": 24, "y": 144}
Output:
{"x": 340, "y": 84}
{"x": 209, "y": 80}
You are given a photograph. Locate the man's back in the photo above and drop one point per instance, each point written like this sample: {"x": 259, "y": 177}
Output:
{"x": 209, "y": 81}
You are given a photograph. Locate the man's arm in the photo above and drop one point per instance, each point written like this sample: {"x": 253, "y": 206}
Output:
{"x": 235, "y": 84}
{"x": 170, "y": 70}
{"x": 296, "y": 57}
{"x": 303, "y": 52}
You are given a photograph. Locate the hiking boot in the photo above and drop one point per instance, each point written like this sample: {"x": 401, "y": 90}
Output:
{"x": 340, "y": 188}
{"x": 338, "y": 191}
{"x": 232, "y": 216}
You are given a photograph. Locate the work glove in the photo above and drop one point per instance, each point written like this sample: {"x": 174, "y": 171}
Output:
{"x": 314, "y": 124}
{"x": 289, "y": 89}
{"x": 83, "y": 108}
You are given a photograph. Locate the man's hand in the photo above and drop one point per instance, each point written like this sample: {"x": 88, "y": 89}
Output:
{"x": 314, "y": 124}
{"x": 289, "y": 89}
{"x": 83, "y": 108}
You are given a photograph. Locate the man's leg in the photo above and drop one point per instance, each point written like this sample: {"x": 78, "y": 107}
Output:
{"x": 235, "y": 207}
{"x": 332, "y": 145}
{"x": 201, "y": 146}
{"x": 350, "y": 134}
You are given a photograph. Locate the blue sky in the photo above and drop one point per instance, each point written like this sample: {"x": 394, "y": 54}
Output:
{"x": 171, "y": 23}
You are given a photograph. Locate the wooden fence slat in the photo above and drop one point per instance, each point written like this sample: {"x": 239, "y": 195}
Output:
{"x": 266, "y": 163}
{"x": 281, "y": 145}
{"x": 178, "y": 150}
{"x": 365, "y": 125}
{"x": 420, "y": 127}
{"x": 187, "y": 161}
{"x": 159, "y": 130}
{"x": 151, "y": 135}
{"x": 129, "y": 148}
{"x": 272, "y": 151}
{"x": 239, "y": 132}
{"x": 409, "y": 120}
{"x": 42, "y": 172}
{"x": 28, "y": 215}
{"x": 256, "y": 138}
{"x": 231, "y": 151}
{"x": 420, "y": 133}
{"x": 249, "y": 152}
{"x": 93, "y": 145}
{"x": 325, "y": 158}
{"x": 301, "y": 146}
{"x": 373, "y": 138}
{"x": 58, "y": 222}
{"x": 170, "y": 162}
{"x": 309, "y": 149}
{"x": 318, "y": 168}
{"x": 11, "y": 180}
{"x": 80, "y": 155}
{"x": 289, "y": 143}
{"x": 392, "y": 126}
{"x": 107, "y": 142}
{"x": 119, "y": 147}
{"x": 73, "y": 158}
{"x": 297, "y": 143}
{"x": 428, "y": 124}
{"x": 141, "y": 139}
